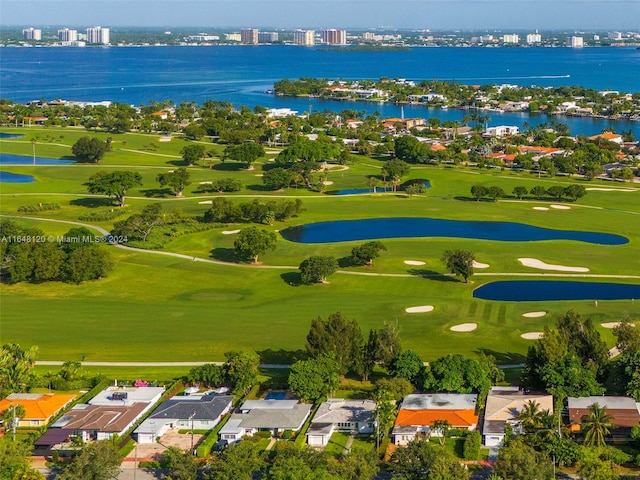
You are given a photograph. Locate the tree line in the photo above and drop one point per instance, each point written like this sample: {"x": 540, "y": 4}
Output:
{"x": 557, "y": 192}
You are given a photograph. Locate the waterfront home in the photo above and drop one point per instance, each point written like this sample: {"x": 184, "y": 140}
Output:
{"x": 195, "y": 412}
{"x": 504, "y": 405}
{"x": 339, "y": 415}
{"x": 501, "y": 131}
{"x": 39, "y": 407}
{"x": 273, "y": 416}
{"x": 609, "y": 136}
{"x": 419, "y": 412}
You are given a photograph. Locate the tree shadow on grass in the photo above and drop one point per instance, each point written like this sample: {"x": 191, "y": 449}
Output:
{"x": 256, "y": 187}
{"x": 157, "y": 192}
{"x": 230, "y": 166}
{"x": 178, "y": 163}
{"x": 502, "y": 358}
{"x": 281, "y": 357}
{"x": 432, "y": 275}
{"x": 225, "y": 255}
{"x": 93, "y": 202}
{"x": 292, "y": 278}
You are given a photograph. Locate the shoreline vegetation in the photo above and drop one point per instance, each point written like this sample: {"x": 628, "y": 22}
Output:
{"x": 570, "y": 101}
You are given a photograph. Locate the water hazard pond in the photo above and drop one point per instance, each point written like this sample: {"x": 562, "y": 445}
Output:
{"x": 8, "y": 177}
{"x": 547, "y": 290}
{"x": 9, "y": 159}
{"x": 377, "y": 228}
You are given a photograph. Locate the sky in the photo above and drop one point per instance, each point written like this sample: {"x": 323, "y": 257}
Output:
{"x": 403, "y": 14}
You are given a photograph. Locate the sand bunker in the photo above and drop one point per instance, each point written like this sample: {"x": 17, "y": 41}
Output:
{"x": 421, "y": 309}
{"x": 535, "y": 263}
{"x": 534, "y": 314}
{"x": 598, "y": 189}
{"x": 206, "y": 183}
{"x": 480, "y": 265}
{"x": 614, "y": 352}
{"x": 464, "y": 327}
{"x": 164, "y": 139}
{"x": 230, "y": 232}
{"x": 540, "y": 208}
{"x": 561, "y": 207}
{"x": 259, "y": 175}
{"x": 532, "y": 335}
{"x": 327, "y": 182}
{"x": 610, "y": 324}
{"x": 414, "y": 262}
{"x": 206, "y": 202}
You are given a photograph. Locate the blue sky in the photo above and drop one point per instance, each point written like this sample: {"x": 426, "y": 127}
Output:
{"x": 423, "y": 14}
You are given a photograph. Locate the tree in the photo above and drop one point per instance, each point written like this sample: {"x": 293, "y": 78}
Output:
{"x": 409, "y": 365}
{"x": 15, "y": 461}
{"x": 182, "y": 465}
{"x": 209, "y": 374}
{"x": 356, "y": 465}
{"x": 178, "y": 180}
{"x": 420, "y": 460}
{"x": 365, "y": 253}
{"x": 495, "y": 193}
{"x": 530, "y": 416}
{"x": 236, "y": 462}
{"x": 596, "y": 426}
{"x": 277, "y": 178}
{"x": 471, "y": 445}
{"x": 315, "y": 379}
{"x": 520, "y": 461}
{"x": 479, "y": 191}
{"x": 88, "y": 263}
{"x": 574, "y": 192}
{"x": 316, "y": 269}
{"x": 556, "y": 191}
{"x": 459, "y": 262}
{"x": 395, "y": 388}
{"x": 339, "y": 336}
{"x": 538, "y": 191}
{"x": 194, "y": 131}
{"x": 98, "y": 461}
{"x": 89, "y": 149}
{"x": 222, "y": 210}
{"x": 597, "y": 469}
{"x": 627, "y": 336}
{"x": 441, "y": 427}
{"x": 254, "y": 241}
{"x": 114, "y": 184}
{"x": 192, "y": 153}
{"x": 16, "y": 368}
{"x": 241, "y": 370}
{"x": 247, "y": 152}
{"x": 139, "y": 226}
{"x": 395, "y": 169}
{"x": 519, "y": 191}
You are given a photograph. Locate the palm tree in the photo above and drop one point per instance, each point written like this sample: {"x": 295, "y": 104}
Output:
{"x": 596, "y": 426}
{"x": 442, "y": 427}
{"x": 530, "y": 416}
{"x": 12, "y": 415}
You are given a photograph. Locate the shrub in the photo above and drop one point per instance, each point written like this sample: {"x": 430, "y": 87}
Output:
{"x": 471, "y": 448}
{"x": 103, "y": 216}
{"x": 40, "y": 207}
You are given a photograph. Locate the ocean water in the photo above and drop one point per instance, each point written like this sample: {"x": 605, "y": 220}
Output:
{"x": 242, "y": 74}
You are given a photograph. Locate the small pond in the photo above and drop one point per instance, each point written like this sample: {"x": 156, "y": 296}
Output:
{"x": 548, "y": 290}
{"x": 361, "y": 191}
{"x": 376, "y": 228}
{"x": 11, "y": 135}
{"x": 8, "y": 177}
{"x": 8, "y": 159}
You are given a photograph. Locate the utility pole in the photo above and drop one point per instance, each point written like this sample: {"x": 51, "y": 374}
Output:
{"x": 191, "y": 418}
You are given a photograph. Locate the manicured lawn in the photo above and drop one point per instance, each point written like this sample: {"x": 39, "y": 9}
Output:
{"x": 158, "y": 308}
{"x": 337, "y": 444}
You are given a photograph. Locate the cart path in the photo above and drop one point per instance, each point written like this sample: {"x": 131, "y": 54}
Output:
{"x": 343, "y": 272}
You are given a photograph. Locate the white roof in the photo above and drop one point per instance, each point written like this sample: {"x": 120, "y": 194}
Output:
{"x": 268, "y": 404}
{"x": 611, "y": 403}
{"x": 440, "y": 401}
{"x": 134, "y": 395}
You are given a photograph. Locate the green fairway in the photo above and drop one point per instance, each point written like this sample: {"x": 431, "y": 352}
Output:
{"x": 159, "y": 308}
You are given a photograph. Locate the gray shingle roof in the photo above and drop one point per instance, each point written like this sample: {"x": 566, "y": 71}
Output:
{"x": 207, "y": 407}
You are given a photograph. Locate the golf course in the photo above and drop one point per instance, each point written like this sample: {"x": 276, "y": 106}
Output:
{"x": 202, "y": 302}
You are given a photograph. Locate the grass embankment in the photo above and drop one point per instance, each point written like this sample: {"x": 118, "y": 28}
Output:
{"x": 158, "y": 308}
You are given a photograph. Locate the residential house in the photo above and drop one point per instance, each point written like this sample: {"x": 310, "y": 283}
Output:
{"x": 273, "y": 416}
{"x": 112, "y": 412}
{"x": 39, "y": 407}
{"x": 419, "y": 412}
{"x": 197, "y": 412}
{"x": 501, "y": 131}
{"x": 339, "y": 415}
{"x": 504, "y": 405}
{"x": 611, "y": 137}
{"x": 625, "y": 413}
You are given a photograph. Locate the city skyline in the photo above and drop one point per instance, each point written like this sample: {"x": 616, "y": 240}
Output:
{"x": 405, "y": 14}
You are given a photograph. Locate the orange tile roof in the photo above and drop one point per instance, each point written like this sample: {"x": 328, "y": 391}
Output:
{"x": 457, "y": 418}
{"x": 605, "y": 135}
{"x": 437, "y": 147}
{"x": 39, "y": 409}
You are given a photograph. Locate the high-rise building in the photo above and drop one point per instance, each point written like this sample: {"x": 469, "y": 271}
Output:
{"x": 67, "y": 35}
{"x": 575, "y": 42}
{"x": 98, "y": 35}
{"x": 32, "y": 34}
{"x": 249, "y": 36}
{"x": 304, "y": 37}
{"x": 510, "y": 38}
{"x": 334, "y": 37}
{"x": 614, "y": 36}
{"x": 534, "y": 38}
{"x": 267, "y": 37}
